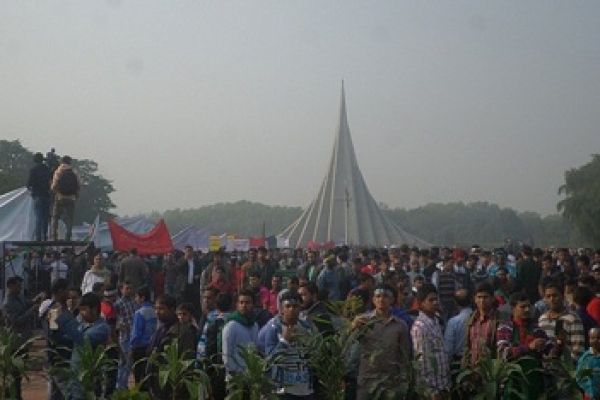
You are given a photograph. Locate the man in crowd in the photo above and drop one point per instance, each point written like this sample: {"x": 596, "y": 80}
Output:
{"x": 65, "y": 186}
{"x": 169, "y": 330}
{"x": 209, "y": 312}
{"x": 328, "y": 280}
{"x": 88, "y": 327}
{"x": 455, "y": 334}
{"x": 143, "y": 328}
{"x": 310, "y": 269}
{"x": 529, "y": 273}
{"x": 125, "y": 308}
{"x": 38, "y": 184}
{"x": 314, "y": 310}
{"x": 562, "y": 325}
{"x": 427, "y": 339}
{"x": 134, "y": 270}
{"x": 283, "y": 342}
{"x": 384, "y": 346}
{"x": 481, "y": 326}
{"x": 263, "y": 266}
{"x": 191, "y": 269}
{"x": 214, "y": 346}
{"x": 521, "y": 340}
{"x": 446, "y": 282}
{"x": 240, "y": 330}
{"x": 19, "y": 315}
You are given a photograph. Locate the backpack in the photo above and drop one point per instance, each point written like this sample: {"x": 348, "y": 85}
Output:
{"x": 67, "y": 184}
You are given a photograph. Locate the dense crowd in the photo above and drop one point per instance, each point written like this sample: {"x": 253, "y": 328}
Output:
{"x": 438, "y": 311}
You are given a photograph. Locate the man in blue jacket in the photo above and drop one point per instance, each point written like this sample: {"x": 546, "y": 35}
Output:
{"x": 92, "y": 329}
{"x": 283, "y": 342}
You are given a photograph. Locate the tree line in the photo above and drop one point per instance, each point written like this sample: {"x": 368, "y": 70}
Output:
{"x": 483, "y": 223}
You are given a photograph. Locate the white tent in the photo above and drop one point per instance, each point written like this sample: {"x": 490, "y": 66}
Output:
{"x": 17, "y": 218}
{"x": 193, "y": 236}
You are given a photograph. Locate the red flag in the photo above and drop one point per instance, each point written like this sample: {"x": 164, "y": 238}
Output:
{"x": 157, "y": 241}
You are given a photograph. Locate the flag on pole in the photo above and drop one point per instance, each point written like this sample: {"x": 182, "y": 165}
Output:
{"x": 93, "y": 232}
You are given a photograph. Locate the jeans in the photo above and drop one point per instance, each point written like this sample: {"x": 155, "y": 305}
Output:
{"x": 41, "y": 208}
{"x": 67, "y": 207}
{"x": 124, "y": 364}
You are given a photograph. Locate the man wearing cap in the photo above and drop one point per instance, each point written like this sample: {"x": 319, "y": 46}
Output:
{"x": 19, "y": 315}
{"x": 384, "y": 347}
{"x": 64, "y": 197}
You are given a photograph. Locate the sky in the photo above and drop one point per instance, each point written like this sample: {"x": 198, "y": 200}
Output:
{"x": 191, "y": 103}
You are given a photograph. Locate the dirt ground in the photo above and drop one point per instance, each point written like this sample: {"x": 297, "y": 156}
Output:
{"x": 37, "y": 386}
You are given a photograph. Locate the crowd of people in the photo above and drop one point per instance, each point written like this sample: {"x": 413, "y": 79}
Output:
{"x": 437, "y": 312}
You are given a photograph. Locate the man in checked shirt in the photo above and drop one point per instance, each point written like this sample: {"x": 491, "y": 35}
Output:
{"x": 428, "y": 345}
{"x": 125, "y": 308}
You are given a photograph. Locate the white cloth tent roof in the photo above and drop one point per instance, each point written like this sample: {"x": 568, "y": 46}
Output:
{"x": 344, "y": 211}
{"x": 194, "y": 236}
{"x": 17, "y": 218}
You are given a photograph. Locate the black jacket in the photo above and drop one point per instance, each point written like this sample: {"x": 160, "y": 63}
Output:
{"x": 39, "y": 180}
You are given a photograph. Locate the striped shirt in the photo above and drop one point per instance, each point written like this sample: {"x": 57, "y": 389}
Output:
{"x": 125, "y": 308}
{"x": 573, "y": 329}
{"x": 428, "y": 345}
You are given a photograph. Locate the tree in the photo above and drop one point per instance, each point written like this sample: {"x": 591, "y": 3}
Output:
{"x": 94, "y": 197}
{"x": 15, "y": 161}
{"x": 581, "y": 206}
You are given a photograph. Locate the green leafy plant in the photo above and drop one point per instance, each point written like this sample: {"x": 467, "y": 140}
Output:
{"x": 133, "y": 393}
{"x": 255, "y": 379}
{"x": 13, "y": 361}
{"x": 94, "y": 362}
{"x": 177, "y": 373}
{"x": 489, "y": 375}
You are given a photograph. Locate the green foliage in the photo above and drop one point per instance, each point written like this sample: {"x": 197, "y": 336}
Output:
{"x": 94, "y": 198}
{"x": 581, "y": 205}
{"x": 255, "y": 379}
{"x": 133, "y": 393}
{"x": 489, "y": 375}
{"x": 483, "y": 223}
{"x": 442, "y": 224}
{"x": 178, "y": 373}
{"x": 243, "y": 218}
{"x": 15, "y": 162}
{"x": 13, "y": 357}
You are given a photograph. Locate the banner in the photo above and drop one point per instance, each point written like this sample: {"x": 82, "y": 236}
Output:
{"x": 214, "y": 243}
{"x": 241, "y": 244}
{"x": 257, "y": 242}
{"x": 157, "y": 241}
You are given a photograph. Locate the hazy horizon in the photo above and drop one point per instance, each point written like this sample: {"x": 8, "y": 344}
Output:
{"x": 186, "y": 104}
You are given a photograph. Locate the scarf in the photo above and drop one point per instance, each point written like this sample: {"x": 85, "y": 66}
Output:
{"x": 247, "y": 321}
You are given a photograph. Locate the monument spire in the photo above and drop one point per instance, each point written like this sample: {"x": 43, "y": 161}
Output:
{"x": 344, "y": 211}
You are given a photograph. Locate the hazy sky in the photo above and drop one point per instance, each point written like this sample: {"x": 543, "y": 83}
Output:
{"x": 190, "y": 103}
